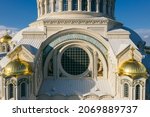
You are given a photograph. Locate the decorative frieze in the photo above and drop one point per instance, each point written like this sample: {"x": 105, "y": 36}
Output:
{"x": 126, "y": 81}
{"x": 136, "y": 82}
{"x": 75, "y": 21}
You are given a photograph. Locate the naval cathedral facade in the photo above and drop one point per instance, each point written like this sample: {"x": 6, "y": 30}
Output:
{"x": 75, "y": 50}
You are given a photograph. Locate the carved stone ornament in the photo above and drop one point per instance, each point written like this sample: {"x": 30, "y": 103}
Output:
{"x": 126, "y": 81}
{"x": 78, "y": 22}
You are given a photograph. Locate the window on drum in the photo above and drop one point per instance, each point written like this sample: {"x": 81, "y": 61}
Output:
{"x": 74, "y": 4}
{"x": 126, "y": 90}
{"x": 65, "y": 5}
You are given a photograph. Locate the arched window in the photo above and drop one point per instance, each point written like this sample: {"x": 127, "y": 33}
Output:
{"x": 101, "y": 6}
{"x": 74, "y": 4}
{"x": 65, "y": 5}
{"x": 126, "y": 90}
{"x": 137, "y": 91}
{"x": 93, "y": 5}
{"x": 23, "y": 90}
{"x": 56, "y": 5}
{"x": 84, "y": 5}
{"x": 10, "y": 91}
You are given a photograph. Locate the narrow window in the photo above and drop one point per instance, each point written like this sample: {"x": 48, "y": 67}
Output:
{"x": 48, "y": 6}
{"x": 101, "y": 6}
{"x": 84, "y": 5}
{"x": 65, "y": 5}
{"x": 137, "y": 95}
{"x": 107, "y": 7}
{"x": 11, "y": 91}
{"x": 93, "y": 5}
{"x": 74, "y": 4}
{"x": 23, "y": 90}
{"x": 126, "y": 90}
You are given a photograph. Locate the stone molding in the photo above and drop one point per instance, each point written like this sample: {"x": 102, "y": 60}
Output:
{"x": 76, "y": 22}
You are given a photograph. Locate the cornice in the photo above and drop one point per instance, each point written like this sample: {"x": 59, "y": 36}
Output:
{"x": 76, "y": 22}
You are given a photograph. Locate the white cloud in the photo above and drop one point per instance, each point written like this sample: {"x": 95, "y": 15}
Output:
{"x": 11, "y": 31}
{"x": 145, "y": 35}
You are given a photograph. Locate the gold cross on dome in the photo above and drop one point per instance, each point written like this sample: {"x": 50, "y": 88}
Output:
{"x": 132, "y": 52}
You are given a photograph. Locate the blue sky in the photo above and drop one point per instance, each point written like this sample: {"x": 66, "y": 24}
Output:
{"x": 19, "y": 13}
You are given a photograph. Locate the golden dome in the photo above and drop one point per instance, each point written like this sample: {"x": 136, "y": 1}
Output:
{"x": 5, "y": 39}
{"x": 17, "y": 67}
{"x": 133, "y": 69}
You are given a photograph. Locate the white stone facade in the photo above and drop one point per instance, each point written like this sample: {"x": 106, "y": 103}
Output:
{"x": 64, "y": 30}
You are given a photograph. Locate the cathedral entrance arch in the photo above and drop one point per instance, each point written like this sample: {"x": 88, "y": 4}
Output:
{"x": 74, "y": 54}
{"x": 74, "y": 39}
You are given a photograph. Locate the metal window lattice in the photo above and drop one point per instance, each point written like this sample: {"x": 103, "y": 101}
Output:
{"x": 75, "y": 61}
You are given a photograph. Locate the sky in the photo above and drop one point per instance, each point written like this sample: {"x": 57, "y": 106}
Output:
{"x": 135, "y": 14}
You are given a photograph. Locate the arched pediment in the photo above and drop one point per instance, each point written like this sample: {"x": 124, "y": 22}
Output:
{"x": 75, "y": 34}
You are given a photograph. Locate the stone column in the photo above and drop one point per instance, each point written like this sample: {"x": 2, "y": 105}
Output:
{"x": 38, "y": 7}
{"x": 133, "y": 93}
{"x": 97, "y": 6}
{"x": 69, "y": 5}
{"x": 60, "y": 5}
{"x": 53, "y": 5}
{"x": 79, "y": 5}
{"x": 16, "y": 90}
{"x": 95, "y": 60}
{"x": 89, "y": 6}
{"x": 41, "y": 6}
{"x": 143, "y": 92}
{"x": 46, "y": 7}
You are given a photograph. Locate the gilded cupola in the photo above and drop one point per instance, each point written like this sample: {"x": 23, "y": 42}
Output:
{"x": 5, "y": 39}
{"x": 133, "y": 68}
{"x": 17, "y": 67}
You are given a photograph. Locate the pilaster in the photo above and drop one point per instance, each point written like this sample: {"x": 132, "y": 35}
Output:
{"x": 60, "y": 5}
{"x": 69, "y": 5}
{"x": 89, "y": 6}
{"x": 79, "y": 5}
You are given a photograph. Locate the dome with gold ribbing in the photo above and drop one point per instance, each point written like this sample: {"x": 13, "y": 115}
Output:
{"x": 17, "y": 67}
{"x": 133, "y": 69}
{"x": 5, "y": 39}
